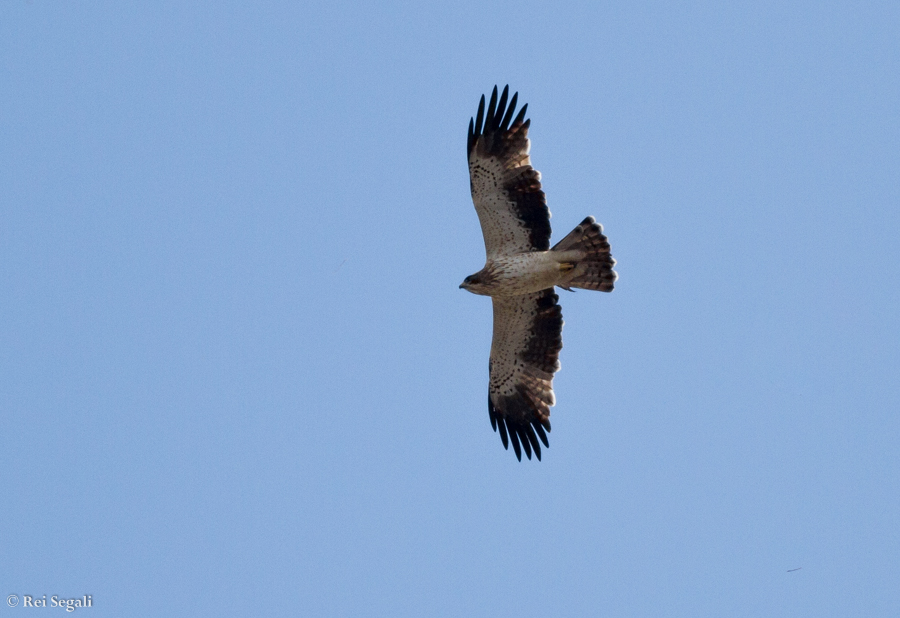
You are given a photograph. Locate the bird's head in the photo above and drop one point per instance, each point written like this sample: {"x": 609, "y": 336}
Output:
{"x": 477, "y": 284}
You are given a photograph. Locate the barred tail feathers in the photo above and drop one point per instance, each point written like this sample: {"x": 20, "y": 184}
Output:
{"x": 595, "y": 270}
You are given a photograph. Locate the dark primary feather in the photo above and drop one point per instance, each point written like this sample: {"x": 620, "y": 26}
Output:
{"x": 514, "y": 435}
{"x": 492, "y": 108}
{"x": 474, "y": 133}
{"x": 504, "y": 124}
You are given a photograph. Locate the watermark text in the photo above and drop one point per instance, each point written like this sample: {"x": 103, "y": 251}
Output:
{"x": 70, "y": 605}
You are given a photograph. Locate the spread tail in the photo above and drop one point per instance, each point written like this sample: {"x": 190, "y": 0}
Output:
{"x": 594, "y": 270}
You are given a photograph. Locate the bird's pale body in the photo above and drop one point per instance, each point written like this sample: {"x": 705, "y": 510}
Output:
{"x": 522, "y": 273}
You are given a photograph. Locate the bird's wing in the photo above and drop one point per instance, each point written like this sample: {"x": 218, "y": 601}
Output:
{"x": 524, "y": 357}
{"x": 506, "y": 190}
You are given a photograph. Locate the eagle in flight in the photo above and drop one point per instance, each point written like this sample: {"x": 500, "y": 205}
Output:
{"x": 521, "y": 271}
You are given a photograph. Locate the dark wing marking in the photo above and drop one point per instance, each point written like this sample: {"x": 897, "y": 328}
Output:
{"x": 506, "y": 190}
{"x": 524, "y": 357}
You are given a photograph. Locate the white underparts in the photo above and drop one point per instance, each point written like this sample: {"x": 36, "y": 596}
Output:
{"x": 523, "y": 273}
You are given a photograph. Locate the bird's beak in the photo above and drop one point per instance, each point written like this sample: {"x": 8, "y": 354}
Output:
{"x": 462, "y": 286}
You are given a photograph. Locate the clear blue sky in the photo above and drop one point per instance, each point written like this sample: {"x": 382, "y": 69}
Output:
{"x": 237, "y": 375}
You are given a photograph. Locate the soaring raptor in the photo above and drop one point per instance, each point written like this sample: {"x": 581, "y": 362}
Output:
{"x": 521, "y": 271}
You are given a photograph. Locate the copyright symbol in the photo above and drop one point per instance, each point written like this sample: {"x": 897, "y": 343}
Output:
{"x": 12, "y": 600}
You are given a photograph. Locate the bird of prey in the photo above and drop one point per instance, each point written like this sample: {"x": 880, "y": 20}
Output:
{"x": 521, "y": 271}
